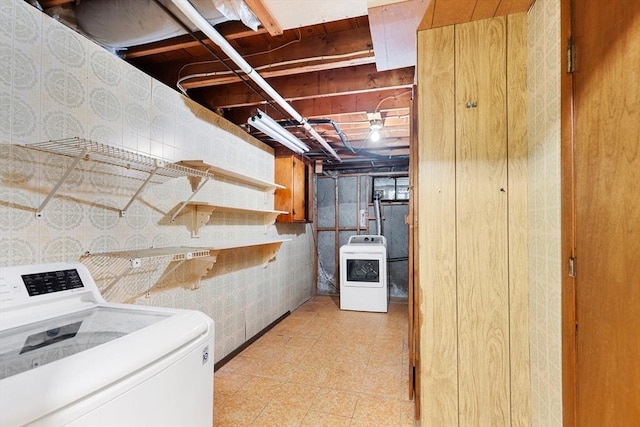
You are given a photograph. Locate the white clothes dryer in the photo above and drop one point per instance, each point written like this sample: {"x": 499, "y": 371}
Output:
{"x": 363, "y": 274}
{"x": 68, "y": 358}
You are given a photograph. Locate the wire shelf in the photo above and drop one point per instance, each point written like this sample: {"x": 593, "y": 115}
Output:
{"x": 103, "y": 153}
{"x": 83, "y": 149}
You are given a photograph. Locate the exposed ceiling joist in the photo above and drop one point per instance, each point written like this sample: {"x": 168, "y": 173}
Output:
{"x": 331, "y": 83}
{"x": 270, "y": 72}
{"x": 329, "y": 106}
{"x": 231, "y": 30}
{"x": 264, "y": 15}
{"x": 320, "y": 57}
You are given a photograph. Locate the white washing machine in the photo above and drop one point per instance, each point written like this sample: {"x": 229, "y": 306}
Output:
{"x": 68, "y": 358}
{"x": 363, "y": 274}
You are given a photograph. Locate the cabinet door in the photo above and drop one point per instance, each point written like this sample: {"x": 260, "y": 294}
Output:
{"x": 290, "y": 172}
{"x": 481, "y": 223}
{"x": 299, "y": 202}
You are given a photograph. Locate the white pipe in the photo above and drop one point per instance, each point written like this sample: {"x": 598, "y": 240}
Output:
{"x": 194, "y": 16}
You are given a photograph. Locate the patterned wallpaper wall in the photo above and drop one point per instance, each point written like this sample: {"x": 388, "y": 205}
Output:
{"x": 544, "y": 213}
{"x": 57, "y": 84}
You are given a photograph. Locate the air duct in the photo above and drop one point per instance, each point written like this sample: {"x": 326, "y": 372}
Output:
{"x": 194, "y": 16}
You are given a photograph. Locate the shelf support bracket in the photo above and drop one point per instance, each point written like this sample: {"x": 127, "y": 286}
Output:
{"x": 195, "y": 191}
{"x": 62, "y": 179}
{"x": 270, "y": 252}
{"x": 269, "y": 220}
{"x": 157, "y": 166}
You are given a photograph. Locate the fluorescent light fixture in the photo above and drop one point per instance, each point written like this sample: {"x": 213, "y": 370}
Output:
{"x": 271, "y": 128}
{"x": 275, "y": 126}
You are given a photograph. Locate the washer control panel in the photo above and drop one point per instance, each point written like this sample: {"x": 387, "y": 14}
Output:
{"x": 22, "y": 285}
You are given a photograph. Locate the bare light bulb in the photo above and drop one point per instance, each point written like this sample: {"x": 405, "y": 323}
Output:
{"x": 375, "y": 128}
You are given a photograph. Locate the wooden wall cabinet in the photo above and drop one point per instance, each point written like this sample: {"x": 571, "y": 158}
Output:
{"x": 472, "y": 209}
{"x": 292, "y": 173}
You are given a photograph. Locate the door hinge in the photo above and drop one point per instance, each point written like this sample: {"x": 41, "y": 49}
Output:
{"x": 571, "y": 56}
{"x": 572, "y": 267}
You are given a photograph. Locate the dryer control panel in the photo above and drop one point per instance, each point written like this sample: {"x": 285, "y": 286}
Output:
{"x": 367, "y": 239}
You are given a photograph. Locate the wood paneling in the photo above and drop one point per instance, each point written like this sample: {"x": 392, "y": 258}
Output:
{"x": 472, "y": 210}
{"x": 517, "y": 164}
{"x": 436, "y": 234}
{"x": 481, "y": 223}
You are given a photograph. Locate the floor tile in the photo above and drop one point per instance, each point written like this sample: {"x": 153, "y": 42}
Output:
{"x": 320, "y": 366}
{"x": 335, "y": 402}
{"x": 321, "y": 419}
{"x": 276, "y": 415}
{"x": 296, "y": 395}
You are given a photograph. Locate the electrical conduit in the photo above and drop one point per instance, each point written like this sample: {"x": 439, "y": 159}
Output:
{"x": 194, "y": 16}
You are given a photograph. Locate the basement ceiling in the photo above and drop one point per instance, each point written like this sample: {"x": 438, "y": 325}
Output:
{"x": 344, "y": 65}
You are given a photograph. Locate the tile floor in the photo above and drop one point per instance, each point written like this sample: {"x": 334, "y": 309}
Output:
{"x": 320, "y": 366}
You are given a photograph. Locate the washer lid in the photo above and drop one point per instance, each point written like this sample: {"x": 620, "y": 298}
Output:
{"x": 29, "y": 346}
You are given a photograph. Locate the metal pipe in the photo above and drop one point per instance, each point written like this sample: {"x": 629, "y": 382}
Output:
{"x": 198, "y": 20}
{"x": 376, "y": 201}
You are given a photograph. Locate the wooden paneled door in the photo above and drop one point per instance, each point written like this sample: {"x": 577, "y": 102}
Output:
{"x": 606, "y": 87}
{"x": 471, "y": 239}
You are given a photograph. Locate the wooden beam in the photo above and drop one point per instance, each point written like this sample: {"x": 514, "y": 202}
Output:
{"x": 332, "y": 83}
{"x": 226, "y": 78}
{"x": 51, "y": 3}
{"x": 325, "y": 46}
{"x": 265, "y": 16}
{"x": 328, "y": 106}
{"x": 231, "y": 30}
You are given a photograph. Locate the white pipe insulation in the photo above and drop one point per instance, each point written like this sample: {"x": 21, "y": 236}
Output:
{"x": 194, "y": 16}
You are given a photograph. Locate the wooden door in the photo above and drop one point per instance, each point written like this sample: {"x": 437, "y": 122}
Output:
{"x": 607, "y": 189}
{"x": 291, "y": 172}
{"x": 481, "y": 223}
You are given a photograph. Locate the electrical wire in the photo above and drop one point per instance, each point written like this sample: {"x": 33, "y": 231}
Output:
{"x": 298, "y": 40}
{"x": 212, "y": 53}
{"x": 390, "y": 97}
{"x": 268, "y": 66}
